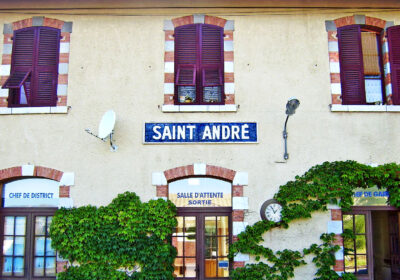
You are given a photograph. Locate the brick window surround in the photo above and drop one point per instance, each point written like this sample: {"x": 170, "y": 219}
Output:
{"x": 62, "y": 85}
{"x": 239, "y": 202}
{"x": 333, "y": 48}
{"x": 66, "y": 180}
{"x": 229, "y": 86}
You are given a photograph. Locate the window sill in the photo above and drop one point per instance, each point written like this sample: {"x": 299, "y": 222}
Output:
{"x": 34, "y": 110}
{"x": 199, "y": 108}
{"x": 364, "y": 108}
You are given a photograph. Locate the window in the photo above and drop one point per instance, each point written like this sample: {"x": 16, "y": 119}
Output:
{"x": 34, "y": 67}
{"x": 361, "y": 66}
{"x": 26, "y": 246}
{"x": 199, "y": 64}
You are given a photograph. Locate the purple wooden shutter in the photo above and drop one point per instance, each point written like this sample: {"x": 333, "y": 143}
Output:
{"x": 22, "y": 63}
{"x": 394, "y": 58}
{"x": 186, "y": 75}
{"x": 212, "y": 58}
{"x": 186, "y": 58}
{"x": 46, "y": 71}
{"x": 351, "y": 65}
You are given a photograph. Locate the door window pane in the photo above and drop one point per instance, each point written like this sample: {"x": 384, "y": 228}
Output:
{"x": 18, "y": 266}
{"x": 223, "y": 267}
{"x": 362, "y": 267}
{"x": 223, "y": 246}
{"x": 9, "y": 225}
{"x": 210, "y": 226}
{"x": 39, "y": 267}
{"x": 210, "y": 246}
{"x": 19, "y": 248}
{"x": 179, "y": 227}
{"x": 40, "y": 226}
{"x": 7, "y": 266}
{"x": 178, "y": 268}
{"x": 210, "y": 267}
{"x": 348, "y": 222}
{"x": 39, "y": 246}
{"x": 8, "y": 246}
{"x": 50, "y": 266}
{"x": 190, "y": 267}
{"x": 190, "y": 226}
{"x": 190, "y": 247}
{"x": 177, "y": 242}
{"x": 360, "y": 224}
{"x": 223, "y": 225}
{"x": 20, "y": 225}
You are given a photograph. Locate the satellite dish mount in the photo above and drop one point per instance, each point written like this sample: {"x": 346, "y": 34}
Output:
{"x": 106, "y": 129}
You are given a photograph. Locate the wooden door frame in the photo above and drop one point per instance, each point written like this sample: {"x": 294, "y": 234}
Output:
{"x": 200, "y": 254}
{"x": 30, "y": 213}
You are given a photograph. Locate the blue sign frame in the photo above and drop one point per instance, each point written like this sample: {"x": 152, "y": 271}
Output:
{"x": 212, "y": 132}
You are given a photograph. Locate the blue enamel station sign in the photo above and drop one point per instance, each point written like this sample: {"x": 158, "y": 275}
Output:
{"x": 233, "y": 132}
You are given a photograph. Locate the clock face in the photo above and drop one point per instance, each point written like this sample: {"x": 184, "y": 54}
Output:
{"x": 271, "y": 211}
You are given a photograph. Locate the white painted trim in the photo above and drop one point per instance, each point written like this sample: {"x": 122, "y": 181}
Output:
{"x": 65, "y": 202}
{"x": 228, "y": 66}
{"x": 228, "y": 46}
{"x": 169, "y": 88}
{"x": 158, "y": 179}
{"x": 238, "y": 227}
{"x": 198, "y": 108}
{"x": 5, "y": 69}
{"x": 5, "y": 111}
{"x": 28, "y": 169}
{"x": 334, "y": 67}
{"x": 64, "y": 47}
{"x": 63, "y": 68}
{"x": 333, "y": 46}
{"x": 241, "y": 178}
{"x": 367, "y": 108}
{"x": 229, "y": 88}
{"x": 30, "y": 110}
{"x": 59, "y": 110}
{"x": 364, "y": 108}
{"x": 335, "y": 227}
{"x": 241, "y": 257}
{"x": 7, "y": 48}
{"x": 336, "y": 88}
{"x": 386, "y": 68}
{"x": 67, "y": 179}
{"x": 62, "y": 89}
{"x": 339, "y": 255}
{"x": 199, "y": 168}
{"x": 169, "y": 67}
{"x": 34, "y": 110}
{"x": 240, "y": 203}
{"x": 3, "y": 92}
{"x": 169, "y": 46}
{"x": 393, "y": 108}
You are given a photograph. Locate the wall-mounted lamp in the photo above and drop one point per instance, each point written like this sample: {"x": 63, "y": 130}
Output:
{"x": 291, "y": 107}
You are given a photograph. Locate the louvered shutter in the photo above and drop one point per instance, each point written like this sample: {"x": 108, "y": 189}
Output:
{"x": 212, "y": 62}
{"x": 46, "y": 71}
{"x": 186, "y": 62}
{"x": 394, "y": 58}
{"x": 22, "y": 63}
{"x": 351, "y": 65}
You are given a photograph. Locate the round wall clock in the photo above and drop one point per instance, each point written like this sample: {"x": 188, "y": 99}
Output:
{"x": 271, "y": 211}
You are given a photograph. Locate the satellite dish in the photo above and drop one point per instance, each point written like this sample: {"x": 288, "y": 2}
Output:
{"x": 106, "y": 125}
{"x": 106, "y": 128}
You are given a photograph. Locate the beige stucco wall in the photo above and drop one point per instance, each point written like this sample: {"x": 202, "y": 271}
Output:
{"x": 117, "y": 62}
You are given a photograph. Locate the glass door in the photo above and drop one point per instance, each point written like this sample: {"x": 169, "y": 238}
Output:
{"x": 26, "y": 246}
{"x": 202, "y": 241}
{"x": 358, "y": 257}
